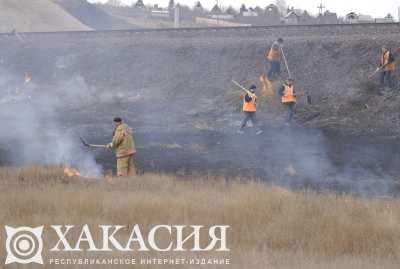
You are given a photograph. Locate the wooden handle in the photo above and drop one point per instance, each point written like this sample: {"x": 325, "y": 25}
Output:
{"x": 240, "y": 86}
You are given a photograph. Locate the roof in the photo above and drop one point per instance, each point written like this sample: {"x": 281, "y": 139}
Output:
{"x": 291, "y": 14}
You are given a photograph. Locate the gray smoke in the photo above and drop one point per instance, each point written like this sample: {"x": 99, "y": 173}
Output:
{"x": 31, "y": 130}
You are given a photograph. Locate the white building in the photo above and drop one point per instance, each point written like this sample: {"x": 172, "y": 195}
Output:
{"x": 365, "y": 18}
{"x": 222, "y": 16}
{"x": 358, "y": 18}
{"x": 157, "y": 13}
{"x": 291, "y": 18}
{"x": 249, "y": 14}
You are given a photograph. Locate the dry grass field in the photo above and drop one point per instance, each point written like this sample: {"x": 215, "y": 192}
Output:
{"x": 271, "y": 227}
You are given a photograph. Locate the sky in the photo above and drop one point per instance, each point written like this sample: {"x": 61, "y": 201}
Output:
{"x": 375, "y": 8}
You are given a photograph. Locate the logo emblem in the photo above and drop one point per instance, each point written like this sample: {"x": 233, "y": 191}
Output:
{"x": 24, "y": 245}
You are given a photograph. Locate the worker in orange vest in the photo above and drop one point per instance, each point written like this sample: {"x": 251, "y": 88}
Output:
{"x": 274, "y": 56}
{"x": 387, "y": 66}
{"x": 249, "y": 109}
{"x": 288, "y": 98}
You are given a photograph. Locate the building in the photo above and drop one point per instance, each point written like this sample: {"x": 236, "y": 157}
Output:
{"x": 272, "y": 14}
{"x": 114, "y": 3}
{"x": 251, "y": 12}
{"x": 327, "y": 18}
{"x": 388, "y": 19}
{"x": 292, "y": 17}
{"x": 351, "y": 17}
{"x": 157, "y": 12}
{"x": 358, "y": 18}
{"x": 365, "y": 18}
{"x": 218, "y": 14}
{"x": 222, "y": 16}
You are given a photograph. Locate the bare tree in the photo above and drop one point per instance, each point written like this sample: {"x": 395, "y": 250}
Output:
{"x": 198, "y": 5}
{"x": 282, "y": 6}
{"x": 139, "y": 4}
{"x": 243, "y": 8}
{"x": 171, "y": 4}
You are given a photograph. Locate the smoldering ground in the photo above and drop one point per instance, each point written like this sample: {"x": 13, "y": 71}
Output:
{"x": 174, "y": 97}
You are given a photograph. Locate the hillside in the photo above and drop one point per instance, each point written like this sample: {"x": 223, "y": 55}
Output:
{"x": 92, "y": 15}
{"x": 36, "y": 16}
{"x": 174, "y": 88}
{"x": 138, "y": 19}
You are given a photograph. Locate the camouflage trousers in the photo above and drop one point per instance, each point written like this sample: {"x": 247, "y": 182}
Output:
{"x": 126, "y": 166}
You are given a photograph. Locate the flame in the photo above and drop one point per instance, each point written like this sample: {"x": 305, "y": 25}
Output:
{"x": 71, "y": 172}
{"x": 281, "y": 190}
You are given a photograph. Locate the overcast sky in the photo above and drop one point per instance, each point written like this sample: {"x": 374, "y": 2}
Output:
{"x": 375, "y": 8}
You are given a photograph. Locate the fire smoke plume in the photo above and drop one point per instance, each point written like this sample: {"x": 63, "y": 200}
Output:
{"x": 31, "y": 131}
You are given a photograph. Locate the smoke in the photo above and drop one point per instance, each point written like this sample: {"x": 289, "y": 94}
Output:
{"x": 32, "y": 132}
{"x": 301, "y": 158}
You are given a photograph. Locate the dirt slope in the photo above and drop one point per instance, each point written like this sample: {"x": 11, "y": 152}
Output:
{"x": 175, "y": 91}
{"x": 92, "y": 15}
{"x": 36, "y": 16}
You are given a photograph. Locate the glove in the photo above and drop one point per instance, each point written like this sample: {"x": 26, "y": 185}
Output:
{"x": 109, "y": 146}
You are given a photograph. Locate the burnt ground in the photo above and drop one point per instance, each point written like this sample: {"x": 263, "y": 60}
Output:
{"x": 177, "y": 96}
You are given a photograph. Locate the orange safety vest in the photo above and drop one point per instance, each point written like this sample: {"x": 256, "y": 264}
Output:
{"x": 385, "y": 59}
{"x": 288, "y": 94}
{"x": 274, "y": 53}
{"x": 250, "y": 106}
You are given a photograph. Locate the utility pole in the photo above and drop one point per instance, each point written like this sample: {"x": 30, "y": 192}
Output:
{"x": 321, "y": 8}
{"x": 218, "y": 14}
{"x": 177, "y": 16}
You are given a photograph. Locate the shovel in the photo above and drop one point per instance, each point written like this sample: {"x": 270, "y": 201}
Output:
{"x": 86, "y": 144}
{"x": 379, "y": 69}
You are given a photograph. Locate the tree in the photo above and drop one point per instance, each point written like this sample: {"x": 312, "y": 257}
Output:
{"x": 243, "y": 8}
{"x": 216, "y": 9}
{"x": 389, "y": 16}
{"x": 198, "y": 8}
{"x": 139, "y": 4}
{"x": 282, "y": 6}
{"x": 198, "y": 5}
{"x": 171, "y": 4}
{"x": 231, "y": 11}
{"x": 259, "y": 11}
{"x": 307, "y": 15}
